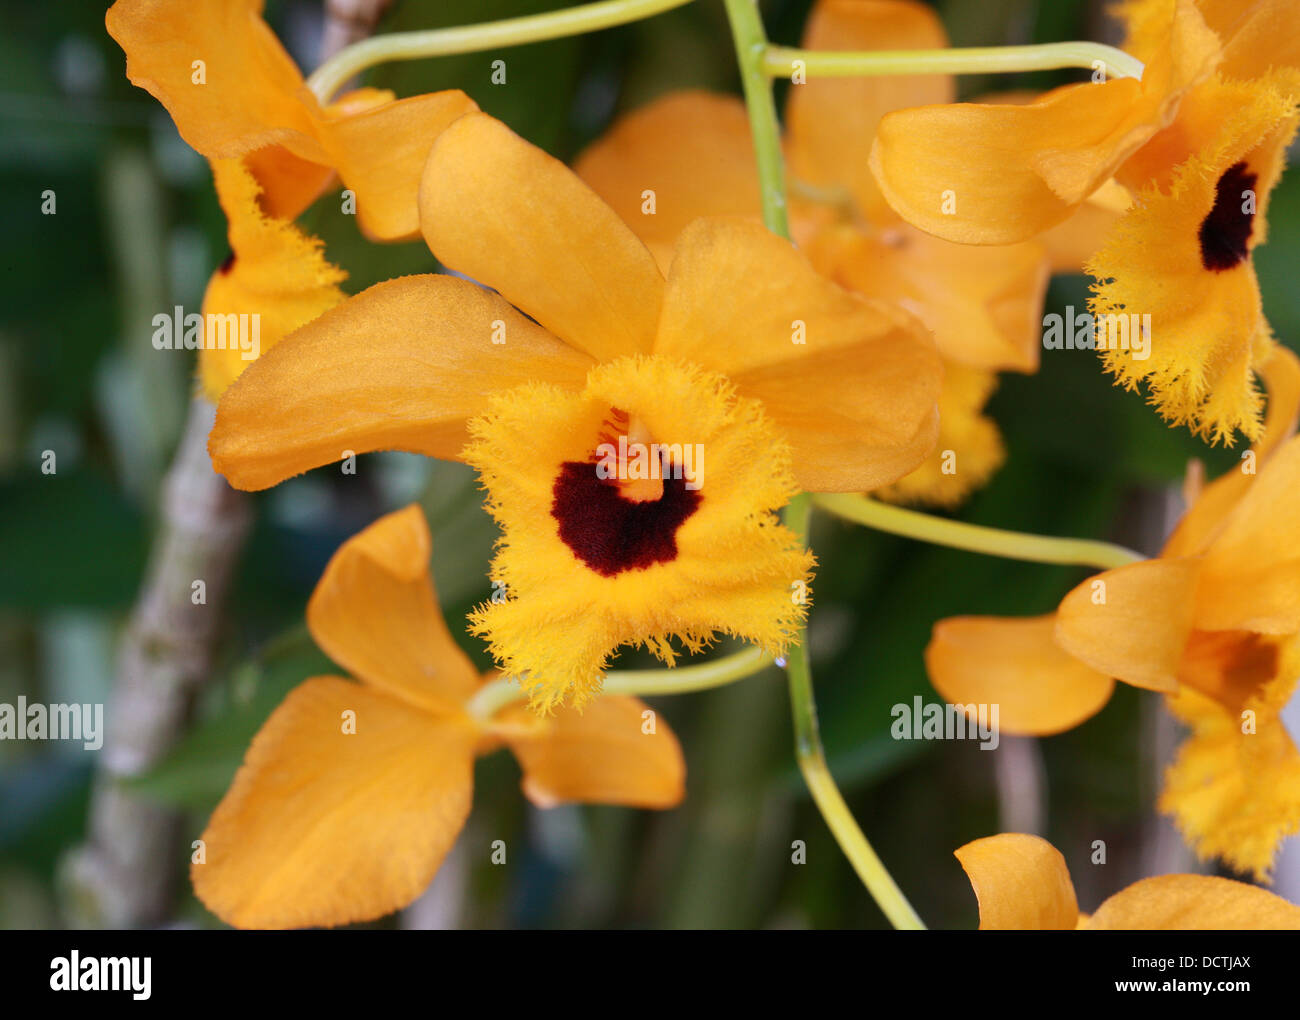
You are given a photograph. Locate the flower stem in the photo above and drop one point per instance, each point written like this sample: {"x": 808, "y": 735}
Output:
{"x": 685, "y": 679}
{"x": 495, "y": 696}
{"x": 779, "y": 61}
{"x": 440, "y": 42}
{"x": 1014, "y": 545}
{"x": 751, "y": 45}
{"x": 812, "y": 763}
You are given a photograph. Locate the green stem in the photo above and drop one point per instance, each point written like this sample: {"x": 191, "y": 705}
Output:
{"x": 817, "y": 774}
{"x": 1013, "y": 545}
{"x": 439, "y": 42}
{"x": 751, "y": 45}
{"x": 780, "y": 61}
{"x": 495, "y": 696}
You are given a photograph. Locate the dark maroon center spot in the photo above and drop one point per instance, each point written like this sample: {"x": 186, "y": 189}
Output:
{"x": 610, "y": 533}
{"x": 1226, "y": 230}
{"x": 228, "y": 265}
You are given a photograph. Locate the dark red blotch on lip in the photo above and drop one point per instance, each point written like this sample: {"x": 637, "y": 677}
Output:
{"x": 228, "y": 265}
{"x": 611, "y": 534}
{"x": 1226, "y": 230}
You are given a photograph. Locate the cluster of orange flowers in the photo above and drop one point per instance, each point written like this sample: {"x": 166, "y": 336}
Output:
{"x": 851, "y": 361}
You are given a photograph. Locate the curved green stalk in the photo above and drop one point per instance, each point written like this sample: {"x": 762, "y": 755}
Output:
{"x": 641, "y": 682}
{"x": 751, "y": 44}
{"x": 780, "y": 61}
{"x": 817, "y": 774}
{"x": 758, "y": 59}
{"x": 1013, "y": 545}
{"x": 440, "y": 42}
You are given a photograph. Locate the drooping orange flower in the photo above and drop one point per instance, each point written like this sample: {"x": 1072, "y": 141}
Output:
{"x": 354, "y": 790}
{"x": 1199, "y": 144}
{"x": 741, "y": 377}
{"x": 234, "y": 92}
{"x": 1182, "y": 257}
{"x": 1214, "y": 622}
{"x": 1183, "y": 253}
{"x": 1023, "y": 884}
{"x": 689, "y": 154}
{"x": 238, "y": 99}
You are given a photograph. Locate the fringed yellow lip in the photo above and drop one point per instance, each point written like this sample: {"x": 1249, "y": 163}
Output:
{"x": 1183, "y": 256}
{"x": 601, "y": 570}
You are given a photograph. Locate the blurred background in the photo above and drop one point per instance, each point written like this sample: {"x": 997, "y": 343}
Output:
{"x": 136, "y": 229}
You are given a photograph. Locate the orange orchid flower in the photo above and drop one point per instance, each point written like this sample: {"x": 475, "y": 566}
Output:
{"x": 1199, "y": 143}
{"x": 689, "y": 155}
{"x": 234, "y": 92}
{"x": 237, "y": 98}
{"x": 768, "y": 375}
{"x": 353, "y": 792}
{"x": 1214, "y": 623}
{"x": 1183, "y": 253}
{"x": 1023, "y": 884}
